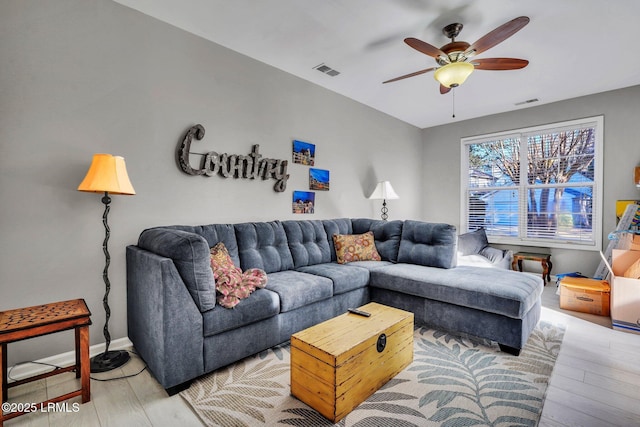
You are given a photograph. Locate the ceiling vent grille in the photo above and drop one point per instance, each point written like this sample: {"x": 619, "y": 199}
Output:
{"x": 528, "y": 101}
{"x": 327, "y": 70}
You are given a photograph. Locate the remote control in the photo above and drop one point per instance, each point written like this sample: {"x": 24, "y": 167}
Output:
{"x": 359, "y": 312}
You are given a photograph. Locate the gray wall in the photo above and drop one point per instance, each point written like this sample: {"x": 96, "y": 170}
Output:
{"x": 621, "y": 110}
{"x": 86, "y": 76}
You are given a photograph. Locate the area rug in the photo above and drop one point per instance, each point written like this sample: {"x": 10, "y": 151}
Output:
{"x": 453, "y": 381}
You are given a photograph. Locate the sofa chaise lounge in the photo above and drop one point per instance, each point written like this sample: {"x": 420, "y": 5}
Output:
{"x": 181, "y": 333}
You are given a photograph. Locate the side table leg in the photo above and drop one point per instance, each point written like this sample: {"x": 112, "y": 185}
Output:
{"x": 520, "y": 265}
{"x": 545, "y": 271}
{"x": 78, "y": 359}
{"x": 4, "y": 394}
{"x": 549, "y": 269}
{"x": 82, "y": 334}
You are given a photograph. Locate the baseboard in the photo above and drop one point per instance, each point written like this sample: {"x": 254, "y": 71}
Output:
{"x": 28, "y": 369}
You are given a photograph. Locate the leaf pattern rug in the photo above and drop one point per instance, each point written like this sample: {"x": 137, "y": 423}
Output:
{"x": 453, "y": 381}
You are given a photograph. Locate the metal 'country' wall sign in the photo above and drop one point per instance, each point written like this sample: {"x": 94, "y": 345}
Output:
{"x": 226, "y": 165}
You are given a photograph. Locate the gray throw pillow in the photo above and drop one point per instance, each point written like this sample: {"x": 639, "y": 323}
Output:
{"x": 473, "y": 242}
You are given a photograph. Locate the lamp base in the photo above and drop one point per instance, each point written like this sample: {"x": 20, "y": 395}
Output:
{"x": 384, "y": 210}
{"x": 108, "y": 361}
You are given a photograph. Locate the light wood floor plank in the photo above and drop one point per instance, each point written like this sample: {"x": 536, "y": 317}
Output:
{"x": 600, "y": 412}
{"x": 70, "y": 412}
{"x": 560, "y": 414}
{"x": 29, "y": 393}
{"x": 569, "y": 371}
{"x": 614, "y": 400}
{"x": 598, "y": 362}
{"x": 161, "y": 409}
{"x": 629, "y": 388}
{"x": 116, "y": 403}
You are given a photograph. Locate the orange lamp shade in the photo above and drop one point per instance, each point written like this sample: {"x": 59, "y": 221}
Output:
{"x": 107, "y": 173}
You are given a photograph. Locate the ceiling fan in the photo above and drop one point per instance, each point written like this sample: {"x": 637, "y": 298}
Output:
{"x": 455, "y": 59}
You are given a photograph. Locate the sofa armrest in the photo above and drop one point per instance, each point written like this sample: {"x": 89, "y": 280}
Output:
{"x": 190, "y": 254}
{"x": 163, "y": 321}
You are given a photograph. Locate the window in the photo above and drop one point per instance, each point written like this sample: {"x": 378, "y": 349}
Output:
{"x": 538, "y": 186}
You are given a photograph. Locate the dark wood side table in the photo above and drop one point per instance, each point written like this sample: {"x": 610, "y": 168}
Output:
{"x": 31, "y": 322}
{"x": 544, "y": 259}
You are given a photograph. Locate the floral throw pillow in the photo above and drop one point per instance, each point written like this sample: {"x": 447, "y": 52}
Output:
{"x": 220, "y": 257}
{"x": 232, "y": 285}
{"x": 355, "y": 247}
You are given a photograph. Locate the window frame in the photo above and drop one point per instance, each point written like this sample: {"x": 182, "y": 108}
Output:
{"x": 521, "y": 239}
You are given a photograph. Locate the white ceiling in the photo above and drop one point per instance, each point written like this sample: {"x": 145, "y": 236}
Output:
{"x": 575, "y": 47}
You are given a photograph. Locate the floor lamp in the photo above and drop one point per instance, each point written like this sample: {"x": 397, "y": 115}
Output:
{"x": 384, "y": 191}
{"x": 107, "y": 174}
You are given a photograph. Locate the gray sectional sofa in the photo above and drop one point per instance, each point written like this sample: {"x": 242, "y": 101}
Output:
{"x": 181, "y": 333}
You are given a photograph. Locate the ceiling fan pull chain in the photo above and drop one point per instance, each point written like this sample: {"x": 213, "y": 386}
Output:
{"x": 453, "y": 103}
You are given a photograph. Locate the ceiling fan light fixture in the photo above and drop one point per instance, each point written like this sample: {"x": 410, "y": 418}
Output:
{"x": 454, "y": 74}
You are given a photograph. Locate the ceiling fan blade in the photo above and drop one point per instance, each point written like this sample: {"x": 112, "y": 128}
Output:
{"x": 444, "y": 89}
{"x": 498, "y": 35}
{"x": 406, "y": 76}
{"x": 499, "y": 63}
{"x": 424, "y": 47}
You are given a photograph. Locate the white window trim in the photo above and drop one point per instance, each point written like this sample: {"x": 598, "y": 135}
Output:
{"x": 598, "y": 196}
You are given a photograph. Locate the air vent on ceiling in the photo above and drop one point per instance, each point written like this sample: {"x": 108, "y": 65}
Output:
{"x": 327, "y": 70}
{"x": 528, "y": 101}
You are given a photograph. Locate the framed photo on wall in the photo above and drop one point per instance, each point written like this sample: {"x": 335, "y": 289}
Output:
{"x": 304, "y": 153}
{"x": 304, "y": 202}
{"x": 318, "y": 179}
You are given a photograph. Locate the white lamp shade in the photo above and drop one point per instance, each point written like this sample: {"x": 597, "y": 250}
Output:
{"x": 384, "y": 191}
{"x": 454, "y": 74}
{"x": 107, "y": 173}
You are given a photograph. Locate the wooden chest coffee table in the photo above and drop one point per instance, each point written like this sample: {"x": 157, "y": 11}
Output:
{"x": 338, "y": 364}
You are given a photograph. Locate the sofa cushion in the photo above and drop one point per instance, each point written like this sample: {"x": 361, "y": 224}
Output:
{"x": 387, "y": 235}
{"x": 308, "y": 242}
{"x": 214, "y": 233}
{"x": 430, "y": 244}
{"x": 336, "y": 226}
{"x": 262, "y": 304}
{"x": 504, "y": 292}
{"x": 190, "y": 254}
{"x": 370, "y": 265}
{"x": 296, "y": 289}
{"x": 345, "y": 278}
{"x": 263, "y": 245}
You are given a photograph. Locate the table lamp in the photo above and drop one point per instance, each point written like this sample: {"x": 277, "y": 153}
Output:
{"x": 384, "y": 191}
